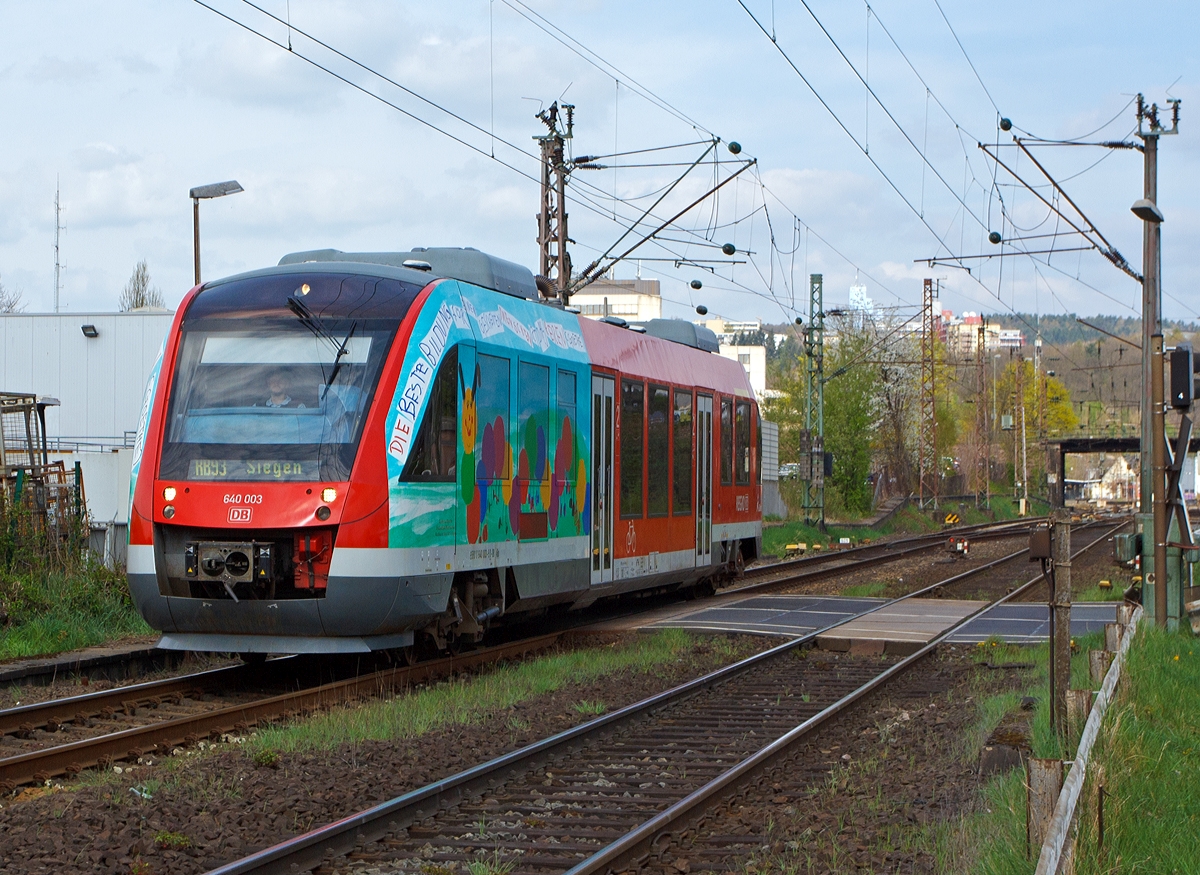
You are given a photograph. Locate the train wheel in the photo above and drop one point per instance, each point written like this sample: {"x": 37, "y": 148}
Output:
{"x": 739, "y": 564}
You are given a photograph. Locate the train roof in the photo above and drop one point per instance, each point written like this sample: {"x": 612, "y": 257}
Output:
{"x": 451, "y": 262}
{"x": 682, "y": 331}
{"x": 647, "y": 356}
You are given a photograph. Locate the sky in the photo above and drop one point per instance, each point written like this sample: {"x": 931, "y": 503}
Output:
{"x": 124, "y": 106}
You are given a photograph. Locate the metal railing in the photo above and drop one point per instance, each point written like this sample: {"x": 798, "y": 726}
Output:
{"x": 91, "y": 444}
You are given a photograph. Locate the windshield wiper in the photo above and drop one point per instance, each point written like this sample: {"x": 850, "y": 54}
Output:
{"x": 337, "y": 360}
{"x": 310, "y": 320}
{"x": 313, "y": 323}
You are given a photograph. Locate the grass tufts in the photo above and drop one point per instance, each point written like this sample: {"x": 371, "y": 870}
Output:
{"x": 1149, "y": 755}
{"x": 590, "y": 708}
{"x": 50, "y": 612}
{"x": 473, "y": 699}
{"x": 865, "y": 590}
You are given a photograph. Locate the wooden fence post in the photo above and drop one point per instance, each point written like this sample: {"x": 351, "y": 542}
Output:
{"x": 1045, "y": 778}
{"x": 1098, "y": 663}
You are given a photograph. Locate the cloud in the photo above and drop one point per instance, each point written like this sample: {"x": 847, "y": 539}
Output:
{"x": 136, "y": 65}
{"x": 103, "y": 156}
{"x": 49, "y": 68}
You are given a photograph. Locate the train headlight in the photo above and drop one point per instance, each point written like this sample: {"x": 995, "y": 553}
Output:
{"x": 328, "y": 494}
{"x": 169, "y": 511}
{"x": 169, "y": 493}
{"x": 323, "y": 513}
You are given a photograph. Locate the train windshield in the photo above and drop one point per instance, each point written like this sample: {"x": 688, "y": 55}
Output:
{"x": 282, "y": 396}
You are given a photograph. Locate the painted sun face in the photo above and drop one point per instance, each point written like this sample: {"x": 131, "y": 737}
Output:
{"x": 470, "y": 422}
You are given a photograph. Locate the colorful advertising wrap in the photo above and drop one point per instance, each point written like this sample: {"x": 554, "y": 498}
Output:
{"x": 522, "y": 411}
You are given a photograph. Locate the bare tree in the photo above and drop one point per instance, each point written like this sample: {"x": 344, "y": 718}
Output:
{"x": 10, "y": 301}
{"x": 138, "y": 293}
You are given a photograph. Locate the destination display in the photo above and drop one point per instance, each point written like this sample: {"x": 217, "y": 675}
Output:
{"x": 251, "y": 469}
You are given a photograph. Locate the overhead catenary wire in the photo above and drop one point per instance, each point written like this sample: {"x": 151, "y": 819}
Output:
{"x": 787, "y": 58}
{"x": 609, "y": 69}
{"x": 425, "y": 122}
{"x": 769, "y": 275}
{"x": 970, "y": 63}
{"x": 489, "y": 131}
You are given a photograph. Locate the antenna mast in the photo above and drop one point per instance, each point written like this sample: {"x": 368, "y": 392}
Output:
{"x": 58, "y": 226}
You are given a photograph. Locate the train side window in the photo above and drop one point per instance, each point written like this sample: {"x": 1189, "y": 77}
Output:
{"x": 658, "y": 451}
{"x": 633, "y": 410}
{"x": 435, "y": 454}
{"x": 534, "y": 394}
{"x": 566, "y": 414}
{"x": 726, "y": 441}
{"x": 492, "y": 401}
{"x": 681, "y": 464}
{"x": 742, "y": 432}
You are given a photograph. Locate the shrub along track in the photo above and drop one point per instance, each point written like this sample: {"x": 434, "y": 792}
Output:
{"x": 609, "y": 795}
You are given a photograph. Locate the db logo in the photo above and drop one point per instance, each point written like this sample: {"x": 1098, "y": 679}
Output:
{"x": 240, "y": 514}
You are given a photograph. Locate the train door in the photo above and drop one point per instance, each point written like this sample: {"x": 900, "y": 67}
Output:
{"x": 602, "y": 473}
{"x": 704, "y": 467}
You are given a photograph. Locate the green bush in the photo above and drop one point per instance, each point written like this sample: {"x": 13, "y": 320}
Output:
{"x": 54, "y": 594}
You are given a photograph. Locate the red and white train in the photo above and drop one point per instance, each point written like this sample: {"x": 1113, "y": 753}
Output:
{"x": 359, "y": 451}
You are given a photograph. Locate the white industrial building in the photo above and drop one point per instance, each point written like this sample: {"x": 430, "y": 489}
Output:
{"x": 754, "y": 360}
{"x": 96, "y": 366}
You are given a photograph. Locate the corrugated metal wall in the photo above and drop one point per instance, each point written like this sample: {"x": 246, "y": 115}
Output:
{"x": 99, "y": 381}
{"x": 770, "y": 451}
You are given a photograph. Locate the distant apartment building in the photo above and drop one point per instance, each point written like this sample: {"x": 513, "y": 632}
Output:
{"x": 727, "y": 330}
{"x": 961, "y": 335}
{"x": 1011, "y": 338}
{"x": 634, "y": 300}
{"x": 754, "y": 360}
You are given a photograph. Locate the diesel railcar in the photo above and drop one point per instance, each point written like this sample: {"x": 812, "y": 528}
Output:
{"x": 359, "y": 451}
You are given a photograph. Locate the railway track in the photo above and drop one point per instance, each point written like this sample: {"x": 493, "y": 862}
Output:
{"x": 151, "y": 719}
{"x": 833, "y": 562}
{"x": 600, "y": 797}
{"x": 62, "y": 737}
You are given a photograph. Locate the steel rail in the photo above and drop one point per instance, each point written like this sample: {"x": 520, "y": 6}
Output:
{"x": 27, "y": 718}
{"x": 311, "y": 849}
{"x": 869, "y": 561}
{"x": 159, "y": 737}
{"x": 634, "y": 845}
{"x": 899, "y": 547}
{"x": 40, "y": 714}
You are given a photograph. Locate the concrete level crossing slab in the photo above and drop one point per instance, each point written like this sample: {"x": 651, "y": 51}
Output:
{"x": 906, "y": 624}
{"x": 1029, "y": 623}
{"x": 903, "y": 627}
{"x": 787, "y": 615}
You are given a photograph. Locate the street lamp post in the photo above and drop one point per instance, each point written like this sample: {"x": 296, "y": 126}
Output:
{"x": 204, "y": 192}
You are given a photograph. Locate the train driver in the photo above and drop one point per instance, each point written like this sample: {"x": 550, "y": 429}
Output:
{"x": 277, "y": 385}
